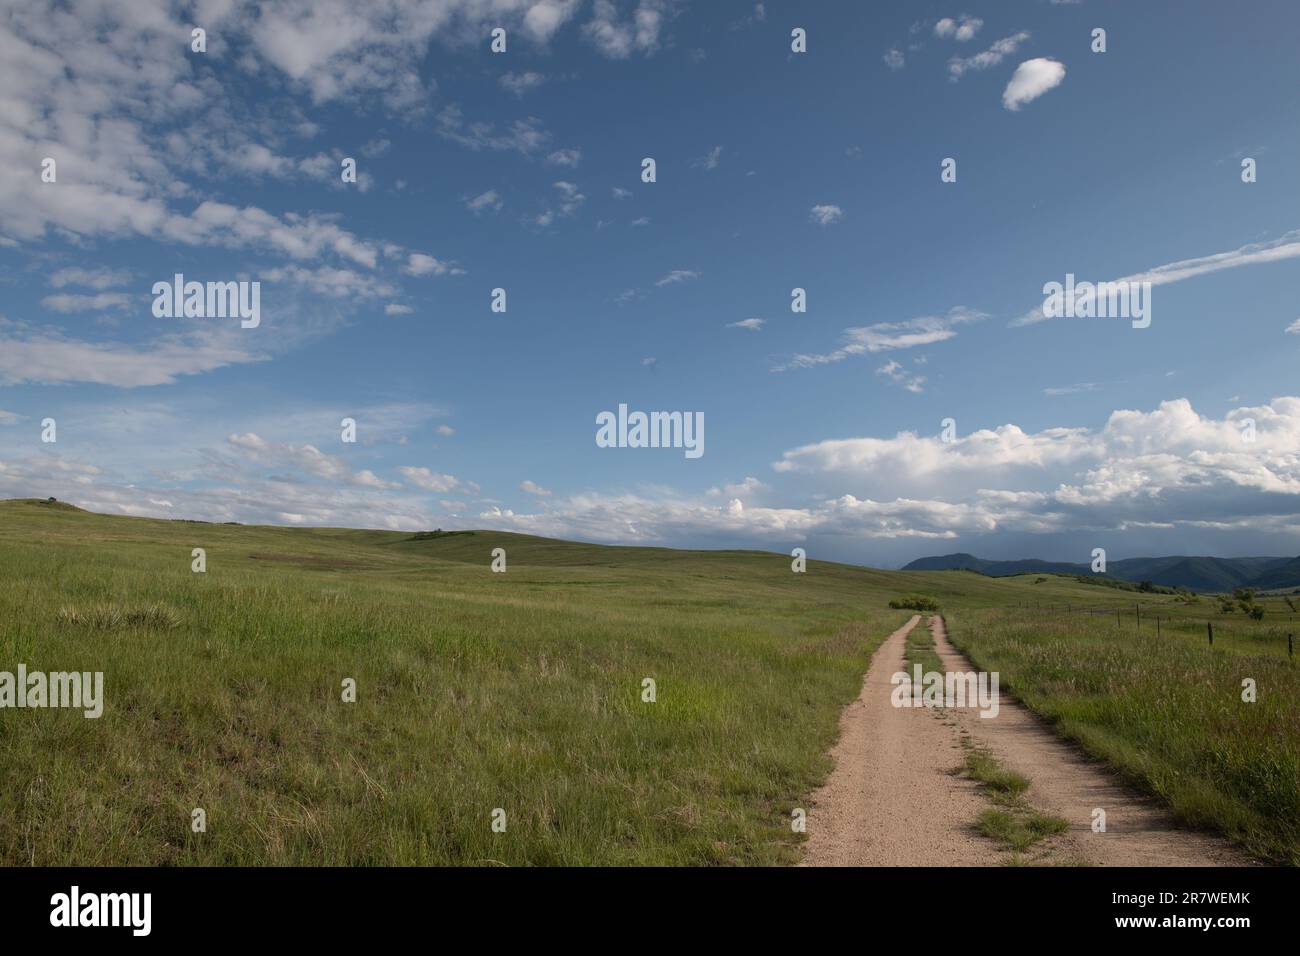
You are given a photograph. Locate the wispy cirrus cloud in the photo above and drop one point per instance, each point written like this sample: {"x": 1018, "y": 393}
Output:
{"x": 677, "y": 275}
{"x": 1286, "y": 246}
{"x": 959, "y": 66}
{"x": 888, "y": 336}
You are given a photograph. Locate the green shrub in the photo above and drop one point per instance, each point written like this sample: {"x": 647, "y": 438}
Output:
{"x": 915, "y": 602}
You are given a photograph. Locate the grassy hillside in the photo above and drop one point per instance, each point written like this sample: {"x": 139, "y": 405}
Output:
{"x": 475, "y": 691}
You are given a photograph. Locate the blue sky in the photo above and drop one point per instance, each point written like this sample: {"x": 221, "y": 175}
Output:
{"x": 775, "y": 170}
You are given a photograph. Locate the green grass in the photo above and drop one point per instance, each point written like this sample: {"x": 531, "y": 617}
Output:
{"x": 1167, "y": 711}
{"x": 1012, "y": 822}
{"x": 1019, "y": 831}
{"x": 1001, "y": 783}
{"x": 919, "y": 648}
{"x": 475, "y": 691}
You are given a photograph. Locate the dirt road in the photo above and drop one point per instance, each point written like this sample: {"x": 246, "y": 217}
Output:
{"x": 895, "y": 800}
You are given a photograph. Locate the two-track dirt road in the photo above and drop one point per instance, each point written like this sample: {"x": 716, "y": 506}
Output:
{"x": 895, "y": 800}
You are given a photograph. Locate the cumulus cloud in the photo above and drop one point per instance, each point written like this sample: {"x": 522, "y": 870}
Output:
{"x": 825, "y": 214}
{"x": 305, "y": 458}
{"x": 565, "y": 157}
{"x": 1170, "y": 465}
{"x": 419, "y": 264}
{"x": 1031, "y": 80}
{"x": 618, "y": 37}
{"x": 961, "y": 29}
{"x": 428, "y": 480}
{"x": 532, "y": 488}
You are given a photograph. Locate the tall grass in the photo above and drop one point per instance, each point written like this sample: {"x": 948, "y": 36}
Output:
{"x": 1167, "y": 712}
{"x": 476, "y": 691}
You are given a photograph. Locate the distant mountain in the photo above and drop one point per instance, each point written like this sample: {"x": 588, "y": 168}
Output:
{"x": 1194, "y": 573}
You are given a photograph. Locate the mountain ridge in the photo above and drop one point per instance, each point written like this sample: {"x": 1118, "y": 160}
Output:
{"x": 1195, "y": 572}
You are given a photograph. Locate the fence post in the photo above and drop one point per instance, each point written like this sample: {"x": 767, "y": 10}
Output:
{"x": 1290, "y": 647}
{"x": 1209, "y": 626}
{"x": 1157, "y": 627}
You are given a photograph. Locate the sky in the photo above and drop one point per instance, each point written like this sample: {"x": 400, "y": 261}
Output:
{"x": 921, "y": 404}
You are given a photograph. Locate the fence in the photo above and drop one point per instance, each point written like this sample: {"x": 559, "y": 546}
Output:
{"x": 1135, "y": 614}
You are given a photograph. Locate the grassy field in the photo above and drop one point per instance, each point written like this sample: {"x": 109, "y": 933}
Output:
{"x": 477, "y": 691}
{"x": 1167, "y": 710}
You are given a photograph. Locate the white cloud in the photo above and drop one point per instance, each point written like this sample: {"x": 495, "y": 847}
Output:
{"x": 894, "y": 59}
{"x": 102, "y": 278}
{"x": 962, "y": 29}
{"x": 1031, "y": 80}
{"x": 419, "y": 264}
{"x": 48, "y": 357}
{"x": 521, "y": 83}
{"x": 570, "y": 197}
{"x": 995, "y": 54}
{"x": 485, "y": 201}
{"x": 1071, "y": 389}
{"x": 617, "y": 37}
{"x": 431, "y": 481}
{"x": 1286, "y": 246}
{"x": 396, "y": 308}
{"x": 525, "y": 136}
{"x": 753, "y": 325}
{"x": 896, "y": 373}
{"x": 710, "y": 159}
{"x": 306, "y": 458}
{"x": 565, "y": 157}
{"x": 1169, "y": 465}
{"x": 826, "y": 214}
{"x": 65, "y": 302}
{"x": 888, "y": 336}
{"x": 677, "y": 275}
{"x": 533, "y": 488}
